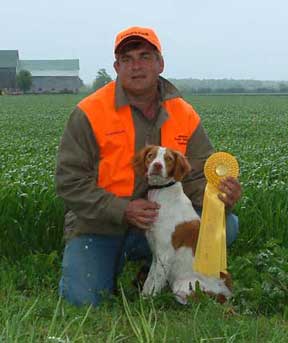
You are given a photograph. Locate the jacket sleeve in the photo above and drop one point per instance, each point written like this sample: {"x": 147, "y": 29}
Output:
{"x": 77, "y": 173}
{"x": 199, "y": 148}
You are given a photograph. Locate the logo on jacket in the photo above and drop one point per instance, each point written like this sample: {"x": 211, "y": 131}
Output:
{"x": 181, "y": 139}
{"x": 112, "y": 133}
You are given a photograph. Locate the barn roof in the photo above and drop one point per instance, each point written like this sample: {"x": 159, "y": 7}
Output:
{"x": 9, "y": 58}
{"x": 72, "y": 64}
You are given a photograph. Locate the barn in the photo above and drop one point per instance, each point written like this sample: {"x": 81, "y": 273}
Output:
{"x": 53, "y": 75}
{"x": 8, "y": 69}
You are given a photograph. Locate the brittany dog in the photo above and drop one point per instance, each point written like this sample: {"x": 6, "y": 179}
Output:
{"x": 173, "y": 236}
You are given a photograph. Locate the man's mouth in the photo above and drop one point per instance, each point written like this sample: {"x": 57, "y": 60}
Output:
{"x": 138, "y": 77}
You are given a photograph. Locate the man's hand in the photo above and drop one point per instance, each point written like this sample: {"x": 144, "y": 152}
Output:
{"x": 232, "y": 191}
{"x": 141, "y": 213}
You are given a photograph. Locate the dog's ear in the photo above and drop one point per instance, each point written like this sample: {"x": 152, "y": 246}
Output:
{"x": 181, "y": 166}
{"x": 138, "y": 160}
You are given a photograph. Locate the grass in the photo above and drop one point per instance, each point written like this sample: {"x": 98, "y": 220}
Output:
{"x": 37, "y": 315}
{"x": 253, "y": 128}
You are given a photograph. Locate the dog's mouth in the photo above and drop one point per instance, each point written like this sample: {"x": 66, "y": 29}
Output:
{"x": 158, "y": 180}
{"x": 155, "y": 172}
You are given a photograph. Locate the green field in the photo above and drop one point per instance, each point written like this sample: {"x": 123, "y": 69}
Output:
{"x": 253, "y": 128}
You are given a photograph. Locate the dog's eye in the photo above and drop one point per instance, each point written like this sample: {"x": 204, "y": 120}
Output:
{"x": 168, "y": 158}
{"x": 149, "y": 156}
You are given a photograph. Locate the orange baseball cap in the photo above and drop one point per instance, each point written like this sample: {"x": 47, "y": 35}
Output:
{"x": 137, "y": 32}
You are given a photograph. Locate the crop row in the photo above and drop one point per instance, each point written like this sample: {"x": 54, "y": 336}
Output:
{"x": 253, "y": 128}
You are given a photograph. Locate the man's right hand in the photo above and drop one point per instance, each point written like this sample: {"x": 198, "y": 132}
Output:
{"x": 141, "y": 213}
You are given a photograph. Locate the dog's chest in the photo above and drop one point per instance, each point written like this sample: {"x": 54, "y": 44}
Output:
{"x": 175, "y": 208}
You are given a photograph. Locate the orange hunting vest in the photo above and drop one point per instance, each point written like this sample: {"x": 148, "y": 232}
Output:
{"x": 115, "y": 135}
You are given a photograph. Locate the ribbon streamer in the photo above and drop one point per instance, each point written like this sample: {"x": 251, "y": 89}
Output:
{"x": 210, "y": 257}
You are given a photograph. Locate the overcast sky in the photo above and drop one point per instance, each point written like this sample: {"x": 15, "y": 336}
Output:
{"x": 240, "y": 39}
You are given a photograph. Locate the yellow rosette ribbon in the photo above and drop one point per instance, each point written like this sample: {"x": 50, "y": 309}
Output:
{"x": 210, "y": 257}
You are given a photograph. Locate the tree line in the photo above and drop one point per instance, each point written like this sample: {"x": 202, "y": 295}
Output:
{"x": 212, "y": 86}
{"x": 185, "y": 86}
{"x": 196, "y": 86}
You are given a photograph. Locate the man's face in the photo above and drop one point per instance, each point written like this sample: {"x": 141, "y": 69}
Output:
{"x": 138, "y": 69}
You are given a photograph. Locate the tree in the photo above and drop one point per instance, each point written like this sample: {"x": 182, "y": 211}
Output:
{"x": 102, "y": 78}
{"x": 24, "y": 80}
{"x": 283, "y": 87}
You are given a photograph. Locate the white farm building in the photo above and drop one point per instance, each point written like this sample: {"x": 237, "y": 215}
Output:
{"x": 8, "y": 68}
{"x": 53, "y": 75}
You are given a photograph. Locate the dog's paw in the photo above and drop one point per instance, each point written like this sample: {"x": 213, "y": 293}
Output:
{"x": 149, "y": 289}
{"x": 181, "y": 298}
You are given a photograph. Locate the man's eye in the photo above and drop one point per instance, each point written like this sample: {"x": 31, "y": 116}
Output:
{"x": 125, "y": 59}
{"x": 146, "y": 57}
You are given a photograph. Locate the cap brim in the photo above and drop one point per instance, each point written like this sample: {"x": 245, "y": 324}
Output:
{"x": 129, "y": 40}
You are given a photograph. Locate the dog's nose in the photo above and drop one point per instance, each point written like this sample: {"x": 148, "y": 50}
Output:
{"x": 157, "y": 166}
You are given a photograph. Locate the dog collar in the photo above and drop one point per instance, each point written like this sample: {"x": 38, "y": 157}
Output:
{"x": 161, "y": 186}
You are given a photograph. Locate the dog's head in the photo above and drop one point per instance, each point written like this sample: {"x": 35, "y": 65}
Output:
{"x": 160, "y": 164}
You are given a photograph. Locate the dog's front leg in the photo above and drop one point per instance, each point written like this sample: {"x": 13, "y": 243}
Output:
{"x": 148, "y": 287}
{"x": 158, "y": 274}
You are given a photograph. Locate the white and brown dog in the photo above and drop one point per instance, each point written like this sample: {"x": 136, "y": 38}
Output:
{"x": 173, "y": 236}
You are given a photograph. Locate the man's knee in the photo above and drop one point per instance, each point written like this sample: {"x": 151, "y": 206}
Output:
{"x": 136, "y": 246}
{"x": 88, "y": 270}
{"x": 232, "y": 228}
{"x": 79, "y": 294}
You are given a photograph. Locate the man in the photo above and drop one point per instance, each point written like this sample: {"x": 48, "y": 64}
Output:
{"x": 107, "y": 213}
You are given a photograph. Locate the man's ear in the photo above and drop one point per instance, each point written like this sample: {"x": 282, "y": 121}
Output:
{"x": 161, "y": 64}
{"x": 116, "y": 66}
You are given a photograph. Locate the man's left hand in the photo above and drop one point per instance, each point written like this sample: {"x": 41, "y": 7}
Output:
{"x": 232, "y": 191}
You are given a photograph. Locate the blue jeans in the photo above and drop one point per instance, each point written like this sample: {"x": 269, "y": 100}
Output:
{"x": 91, "y": 262}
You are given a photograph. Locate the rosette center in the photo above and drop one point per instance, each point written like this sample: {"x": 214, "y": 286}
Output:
{"x": 221, "y": 169}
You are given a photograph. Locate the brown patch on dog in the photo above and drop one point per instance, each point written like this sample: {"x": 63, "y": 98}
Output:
{"x": 181, "y": 166}
{"x": 227, "y": 279}
{"x": 220, "y": 298}
{"x": 186, "y": 235}
{"x": 196, "y": 297}
{"x": 143, "y": 158}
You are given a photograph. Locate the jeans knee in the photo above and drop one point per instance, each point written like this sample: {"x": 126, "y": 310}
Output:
{"x": 88, "y": 269}
{"x": 232, "y": 228}
{"x": 80, "y": 295}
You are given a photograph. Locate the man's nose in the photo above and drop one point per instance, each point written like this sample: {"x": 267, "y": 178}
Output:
{"x": 136, "y": 64}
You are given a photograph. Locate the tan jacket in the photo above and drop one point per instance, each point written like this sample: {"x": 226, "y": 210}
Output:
{"x": 91, "y": 209}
